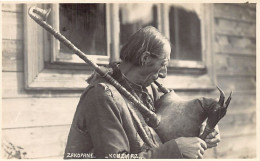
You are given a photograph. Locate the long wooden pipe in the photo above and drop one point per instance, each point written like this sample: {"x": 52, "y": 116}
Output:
{"x": 40, "y": 15}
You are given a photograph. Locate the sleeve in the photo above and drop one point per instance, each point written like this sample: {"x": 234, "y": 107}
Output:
{"x": 104, "y": 123}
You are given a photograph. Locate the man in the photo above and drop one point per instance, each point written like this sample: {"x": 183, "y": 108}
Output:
{"x": 107, "y": 125}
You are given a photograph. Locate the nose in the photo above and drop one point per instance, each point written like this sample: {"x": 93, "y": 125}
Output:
{"x": 163, "y": 72}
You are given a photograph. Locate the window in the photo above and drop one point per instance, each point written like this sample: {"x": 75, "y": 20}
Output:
{"x": 100, "y": 30}
{"x": 190, "y": 29}
{"x": 185, "y": 34}
{"x": 135, "y": 16}
{"x": 85, "y": 25}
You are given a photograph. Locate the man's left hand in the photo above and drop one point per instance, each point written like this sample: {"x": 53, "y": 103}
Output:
{"x": 212, "y": 138}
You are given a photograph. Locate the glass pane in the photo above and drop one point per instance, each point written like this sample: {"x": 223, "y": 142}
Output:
{"x": 185, "y": 34}
{"x": 135, "y": 16}
{"x": 85, "y": 26}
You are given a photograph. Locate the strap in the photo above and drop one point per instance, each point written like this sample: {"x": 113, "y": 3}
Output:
{"x": 141, "y": 129}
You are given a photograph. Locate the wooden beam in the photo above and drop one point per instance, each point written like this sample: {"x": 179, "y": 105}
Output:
{"x": 39, "y": 142}
{"x": 36, "y": 112}
{"x": 12, "y": 26}
{"x": 234, "y": 45}
{"x": 235, "y": 28}
{"x": 13, "y": 87}
{"x": 12, "y": 55}
{"x": 235, "y": 65}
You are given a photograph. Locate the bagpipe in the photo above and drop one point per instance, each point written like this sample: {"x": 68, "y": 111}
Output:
{"x": 183, "y": 118}
{"x": 175, "y": 117}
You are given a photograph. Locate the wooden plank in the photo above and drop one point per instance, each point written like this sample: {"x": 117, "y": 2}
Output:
{"x": 235, "y": 28}
{"x": 12, "y": 55}
{"x": 61, "y": 79}
{"x": 187, "y": 82}
{"x": 12, "y": 26}
{"x": 242, "y": 102}
{"x": 39, "y": 142}
{"x": 235, "y": 45}
{"x": 243, "y": 147}
{"x": 234, "y": 124}
{"x": 234, "y": 12}
{"x": 13, "y": 87}
{"x": 235, "y": 65}
{"x": 237, "y": 83}
{"x": 12, "y": 84}
{"x": 12, "y": 7}
{"x": 30, "y": 112}
{"x": 12, "y": 64}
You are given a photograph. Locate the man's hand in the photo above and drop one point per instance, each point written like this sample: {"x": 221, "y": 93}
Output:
{"x": 213, "y": 138}
{"x": 191, "y": 147}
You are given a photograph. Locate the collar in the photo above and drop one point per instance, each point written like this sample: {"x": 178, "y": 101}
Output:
{"x": 118, "y": 75}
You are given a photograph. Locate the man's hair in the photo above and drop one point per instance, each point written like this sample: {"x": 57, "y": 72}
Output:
{"x": 147, "y": 39}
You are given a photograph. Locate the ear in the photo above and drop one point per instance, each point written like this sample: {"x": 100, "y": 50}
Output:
{"x": 145, "y": 58}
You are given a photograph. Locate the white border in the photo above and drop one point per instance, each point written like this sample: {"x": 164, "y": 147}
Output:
{"x": 165, "y": 1}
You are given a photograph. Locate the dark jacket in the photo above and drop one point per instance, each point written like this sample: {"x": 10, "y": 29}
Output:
{"x": 104, "y": 128}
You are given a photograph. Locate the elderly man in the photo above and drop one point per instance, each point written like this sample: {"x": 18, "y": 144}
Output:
{"x": 107, "y": 125}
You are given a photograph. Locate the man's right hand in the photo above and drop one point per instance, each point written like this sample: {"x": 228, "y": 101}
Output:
{"x": 191, "y": 147}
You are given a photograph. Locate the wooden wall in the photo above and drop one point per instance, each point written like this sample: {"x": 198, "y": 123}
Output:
{"x": 38, "y": 121}
{"x": 235, "y": 68}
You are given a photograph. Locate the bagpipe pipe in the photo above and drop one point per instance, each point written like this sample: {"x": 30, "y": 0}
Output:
{"x": 174, "y": 118}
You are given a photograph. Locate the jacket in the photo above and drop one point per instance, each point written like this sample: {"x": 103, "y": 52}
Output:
{"x": 103, "y": 127}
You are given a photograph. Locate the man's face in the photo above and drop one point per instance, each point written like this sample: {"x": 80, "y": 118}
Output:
{"x": 157, "y": 67}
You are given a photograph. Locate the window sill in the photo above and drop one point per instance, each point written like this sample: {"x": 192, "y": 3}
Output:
{"x": 59, "y": 79}
{"x": 73, "y": 58}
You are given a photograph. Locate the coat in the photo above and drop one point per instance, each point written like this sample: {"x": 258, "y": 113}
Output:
{"x": 103, "y": 127}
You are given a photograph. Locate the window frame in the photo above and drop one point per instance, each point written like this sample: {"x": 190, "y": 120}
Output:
{"x": 202, "y": 71}
{"x": 165, "y": 8}
{"x": 42, "y": 73}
